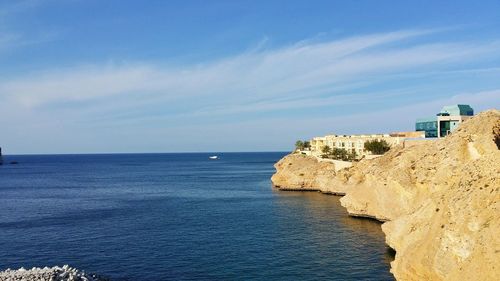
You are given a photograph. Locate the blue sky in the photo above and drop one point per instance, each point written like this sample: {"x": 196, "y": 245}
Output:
{"x": 172, "y": 76}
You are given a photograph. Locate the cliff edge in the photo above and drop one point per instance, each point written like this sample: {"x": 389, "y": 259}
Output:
{"x": 306, "y": 173}
{"x": 440, "y": 200}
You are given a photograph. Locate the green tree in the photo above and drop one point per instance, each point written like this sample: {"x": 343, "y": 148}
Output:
{"x": 299, "y": 145}
{"x": 339, "y": 154}
{"x": 377, "y": 147}
{"x": 307, "y": 144}
{"x": 326, "y": 151}
{"x": 352, "y": 155}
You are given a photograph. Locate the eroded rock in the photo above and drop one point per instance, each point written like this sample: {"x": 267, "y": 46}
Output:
{"x": 306, "y": 173}
{"x": 440, "y": 200}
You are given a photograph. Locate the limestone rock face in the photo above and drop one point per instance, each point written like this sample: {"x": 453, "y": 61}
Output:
{"x": 306, "y": 173}
{"x": 442, "y": 201}
{"x": 394, "y": 173}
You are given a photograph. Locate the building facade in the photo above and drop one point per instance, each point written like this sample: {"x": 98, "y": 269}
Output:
{"x": 445, "y": 122}
{"x": 428, "y": 126}
{"x": 351, "y": 143}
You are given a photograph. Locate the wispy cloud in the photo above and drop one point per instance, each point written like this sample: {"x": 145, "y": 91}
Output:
{"x": 393, "y": 119}
{"x": 11, "y": 38}
{"x": 303, "y": 70}
{"x": 306, "y": 75}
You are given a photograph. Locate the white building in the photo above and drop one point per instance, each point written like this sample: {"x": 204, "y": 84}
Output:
{"x": 351, "y": 143}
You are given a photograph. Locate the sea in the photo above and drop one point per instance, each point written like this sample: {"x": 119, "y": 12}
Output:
{"x": 179, "y": 216}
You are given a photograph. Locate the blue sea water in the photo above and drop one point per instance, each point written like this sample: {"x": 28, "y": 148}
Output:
{"x": 179, "y": 217}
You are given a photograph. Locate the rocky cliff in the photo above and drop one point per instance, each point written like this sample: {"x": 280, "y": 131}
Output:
{"x": 441, "y": 202}
{"x": 306, "y": 173}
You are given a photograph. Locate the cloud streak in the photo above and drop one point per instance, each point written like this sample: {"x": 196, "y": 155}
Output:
{"x": 286, "y": 72}
{"x": 304, "y": 76}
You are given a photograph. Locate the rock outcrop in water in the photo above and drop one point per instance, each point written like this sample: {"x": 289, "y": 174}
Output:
{"x": 306, "y": 173}
{"x": 56, "y": 273}
{"x": 440, "y": 199}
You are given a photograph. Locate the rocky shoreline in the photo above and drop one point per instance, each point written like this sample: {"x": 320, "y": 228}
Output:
{"x": 297, "y": 172}
{"x": 56, "y": 273}
{"x": 439, "y": 201}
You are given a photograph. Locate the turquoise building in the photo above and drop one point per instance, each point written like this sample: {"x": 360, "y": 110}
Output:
{"x": 428, "y": 125}
{"x": 445, "y": 122}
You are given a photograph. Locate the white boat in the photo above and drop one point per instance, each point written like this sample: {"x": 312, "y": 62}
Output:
{"x": 214, "y": 157}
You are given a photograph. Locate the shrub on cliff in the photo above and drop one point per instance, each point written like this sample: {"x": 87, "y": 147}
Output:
{"x": 299, "y": 145}
{"x": 302, "y": 145}
{"x": 307, "y": 144}
{"x": 377, "y": 147}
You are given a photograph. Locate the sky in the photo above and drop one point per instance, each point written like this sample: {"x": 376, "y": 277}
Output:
{"x": 117, "y": 76}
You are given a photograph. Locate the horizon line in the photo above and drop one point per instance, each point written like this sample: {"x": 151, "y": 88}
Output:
{"x": 125, "y": 153}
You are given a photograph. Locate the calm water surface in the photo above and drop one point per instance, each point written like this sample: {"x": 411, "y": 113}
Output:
{"x": 179, "y": 217}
